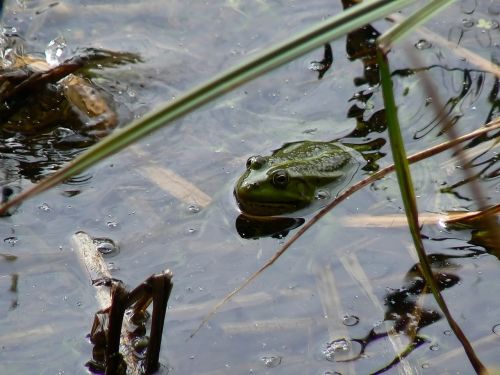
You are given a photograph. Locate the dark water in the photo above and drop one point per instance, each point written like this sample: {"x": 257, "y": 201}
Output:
{"x": 339, "y": 290}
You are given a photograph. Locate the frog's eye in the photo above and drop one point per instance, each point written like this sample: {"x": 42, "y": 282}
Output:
{"x": 256, "y": 162}
{"x": 280, "y": 178}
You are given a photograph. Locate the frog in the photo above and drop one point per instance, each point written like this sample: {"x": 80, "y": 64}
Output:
{"x": 296, "y": 176}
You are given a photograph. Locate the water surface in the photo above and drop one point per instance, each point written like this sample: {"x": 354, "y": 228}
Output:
{"x": 336, "y": 289}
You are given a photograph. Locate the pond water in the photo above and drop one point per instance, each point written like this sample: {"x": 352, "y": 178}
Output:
{"x": 340, "y": 300}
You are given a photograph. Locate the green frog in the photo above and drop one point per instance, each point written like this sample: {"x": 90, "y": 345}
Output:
{"x": 295, "y": 177}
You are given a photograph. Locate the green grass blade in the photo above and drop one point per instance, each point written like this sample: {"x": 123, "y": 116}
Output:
{"x": 410, "y": 204}
{"x": 398, "y": 151}
{"x": 400, "y": 30}
{"x": 263, "y": 62}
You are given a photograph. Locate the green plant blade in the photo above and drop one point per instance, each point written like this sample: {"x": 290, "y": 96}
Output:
{"x": 410, "y": 205}
{"x": 263, "y": 62}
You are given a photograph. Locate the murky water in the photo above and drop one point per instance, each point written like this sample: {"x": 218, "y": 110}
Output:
{"x": 340, "y": 293}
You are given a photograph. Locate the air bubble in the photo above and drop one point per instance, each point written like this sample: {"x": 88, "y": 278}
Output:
{"x": 112, "y": 266}
{"x": 468, "y": 22}
{"x": 112, "y": 224}
{"x": 423, "y": 44}
{"x": 193, "y": 208}
{"x": 106, "y": 246}
{"x": 44, "y": 207}
{"x": 350, "y": 320}
{"x": 140, "y": 344}
{"x": 341, "y": 350}
{"x": 322, "y": 195}
{"x": 271, "y": 361}
{"x": 468, "y": 6}
{"x": 11, "y": 240}
{"x": 496, "y": 329}
{"x": 317, "y": 66}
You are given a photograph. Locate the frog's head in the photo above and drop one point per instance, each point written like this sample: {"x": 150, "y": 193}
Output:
{"x": 265, "y": 189}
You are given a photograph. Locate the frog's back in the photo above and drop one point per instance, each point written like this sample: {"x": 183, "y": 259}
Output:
{"x": 323, "y": 160}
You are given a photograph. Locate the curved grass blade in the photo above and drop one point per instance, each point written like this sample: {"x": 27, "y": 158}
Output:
{"x": 263, "y": 62}
{"x": 339, "y": 199}
{"x": 474, "y": 216}
{"x": 410, "y": 205}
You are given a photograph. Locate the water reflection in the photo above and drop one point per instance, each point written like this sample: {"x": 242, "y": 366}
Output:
{"x": 468, "y": 84}
{"x": 10, "y": 296}
{"x": 474, "y": 235}
{"x": 251, "y": 227}
{"x": 404, "y": 312}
